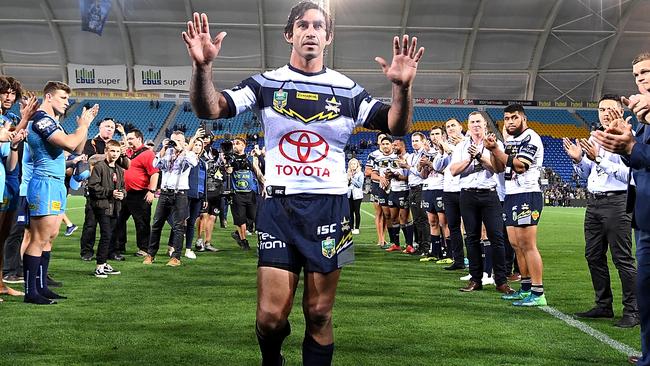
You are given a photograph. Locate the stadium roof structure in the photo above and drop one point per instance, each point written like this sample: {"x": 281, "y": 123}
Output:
{"x": 476, "y": 49}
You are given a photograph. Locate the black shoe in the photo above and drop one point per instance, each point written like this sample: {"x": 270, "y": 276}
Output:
{"x": 454, "y": 267}
{"x": 235, "y": 235}
{"x": 245, "y": 245}
{"x": 117, "y": 257}
{"x": 87, "y": 257}
{"x": 628, "y": 321}
{"x": 596, "y": 313}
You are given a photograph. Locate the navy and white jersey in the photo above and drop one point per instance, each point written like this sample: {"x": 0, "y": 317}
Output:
{"x": 383, "y": 163}
{"x": 435, "y": 179}
{"x": 307, "y": 120}
{"x": 370, "y": 162}
{"x": 527, "y": 148}
{"x": 610, "y": 175}
{"x": 413, "y": 160}
{"x": 397, "y": 185}
{"x": 48, "y": 159}
{"x": 475, "y": 175}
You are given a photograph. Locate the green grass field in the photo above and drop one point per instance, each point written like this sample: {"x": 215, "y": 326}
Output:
{"x": 390, "y": 310}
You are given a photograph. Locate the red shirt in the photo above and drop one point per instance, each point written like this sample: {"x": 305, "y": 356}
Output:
{"x": 137, "y": 177}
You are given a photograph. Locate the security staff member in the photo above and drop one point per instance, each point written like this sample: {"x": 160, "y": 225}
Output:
{"x": 479, "y": 202}
{"x": 606, "y": 222}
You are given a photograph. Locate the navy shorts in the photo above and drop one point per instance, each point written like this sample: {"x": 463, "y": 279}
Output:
{"x": 398, "y": 199}
{"x": 382, "y": 197}
{"x": 22, "y": 212}
{"x": 432, "y": 201}
{"x": 523, "y": 209}
{"x": 309, "y": 231}
{"x": 374, "y": 192}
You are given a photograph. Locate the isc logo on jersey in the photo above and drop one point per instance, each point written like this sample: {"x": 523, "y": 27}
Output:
{"x": 303, "y": 148}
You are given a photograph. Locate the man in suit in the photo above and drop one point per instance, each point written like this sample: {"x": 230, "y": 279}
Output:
{"x": 619, "y": 139}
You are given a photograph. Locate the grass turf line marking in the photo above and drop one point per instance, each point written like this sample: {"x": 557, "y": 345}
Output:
{"x": 622, "y": 348}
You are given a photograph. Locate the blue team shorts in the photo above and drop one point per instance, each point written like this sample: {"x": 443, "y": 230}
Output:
{"x": 9, "y": 199}
{"x": 374, "y": 192}
{"x": 382, "y": 197}
{"x": 432, "y": 201}
{"x": 46, "y": 196}
{"x": 398, "y": 199}
{"x": 305, "y": 231}
{"x": 523, "y": 209}
{"x": 22, "y": 212}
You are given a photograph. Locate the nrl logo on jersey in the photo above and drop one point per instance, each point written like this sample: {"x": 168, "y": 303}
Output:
{"x": 332, "y": 108}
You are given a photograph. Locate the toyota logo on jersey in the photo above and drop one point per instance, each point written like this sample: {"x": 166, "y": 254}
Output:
{"x": 303, "y": 146}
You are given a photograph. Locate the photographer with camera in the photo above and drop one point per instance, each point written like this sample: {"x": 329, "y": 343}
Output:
{"x": 213, "y": 194}
{"x": 175, "y": 163}
{"x": 244, "y": 190}
{"x": 94, "y": 149}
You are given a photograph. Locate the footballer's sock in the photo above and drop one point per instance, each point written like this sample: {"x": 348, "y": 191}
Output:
{"x": 436, "y": 246}
{"x": 537, "y": 290}
{"x": 393, "y": 232}
{"x": 315, "y": 354}
{"x": 30, "y": 268}
{"x": 525, "y": 284}
{"x": 271, "y": 345}
{"x": 446, "y": 248}
{"x": 42, "y": 281}
{"x": 408, "y": 233}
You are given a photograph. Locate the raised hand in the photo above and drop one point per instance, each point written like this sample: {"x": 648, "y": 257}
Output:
{"x": 639, "y": 104}
{"x": 28, "y": 105}
{"x": 617, "y": 124}
{"x": 573, "y": 150}
{"x": 200, "y": 45}
{"x": 490, "y": 142}
{"x": 87, "y": 116}
{"x": 590, "y": 149}
{"x": 404, "y": 65}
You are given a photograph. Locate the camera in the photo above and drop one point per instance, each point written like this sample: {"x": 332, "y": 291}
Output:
{"x": 172, "y": 144}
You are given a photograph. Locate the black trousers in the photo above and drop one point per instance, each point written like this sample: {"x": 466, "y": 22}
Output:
{"x": 87, "y": 241}
{"x": 420, "y": 219}
{"x": 483, "y": 207}
{"x": 451, "y": 200}
{"x": 608, "y": 226}
{"x": 355, "y": 212}
{"x": 511, "y": 256}
{"x": 12, "y": 260}
{"x": 106, "y": 228}
{"x": 134, "y": 206}
{"x": 176, "y": 206}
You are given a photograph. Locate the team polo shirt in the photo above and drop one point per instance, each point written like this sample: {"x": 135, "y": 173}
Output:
{"x": 370, "y": 162}
{"x": 527, "y": 148}
{"x": 435, "y": 179}
{"x": 474, "y": 175}
{"x": 307, "y": 120}
{"x": 48, "y": 159}
{"x": 137, "y": 177}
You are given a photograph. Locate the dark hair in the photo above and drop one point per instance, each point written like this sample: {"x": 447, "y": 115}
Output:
{"x": 137, "y": 133}
{"x": 52, "y": 86}
{"x": 614, "y": 97}
{"x": 643, "y": 56}
{"x": 442, "y": 130}
{"x": 99, "y": 123}
{"x": 390, "y": 139}
{"x": 512, "y": 108}
{"x": 8, "y": 82}
{"x": 299, "y": 10}
{"x": 399, "y": 139}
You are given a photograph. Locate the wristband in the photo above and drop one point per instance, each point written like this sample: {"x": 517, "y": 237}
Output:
{"x": 152, "y": 191}
{"x": 12, "y": 148}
